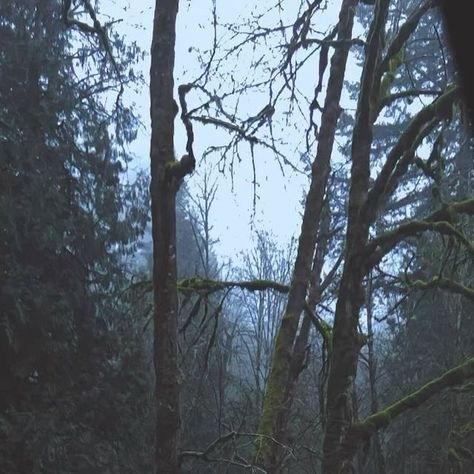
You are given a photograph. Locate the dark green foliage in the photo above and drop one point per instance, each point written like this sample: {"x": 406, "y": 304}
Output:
{"x": 67, "y": 222}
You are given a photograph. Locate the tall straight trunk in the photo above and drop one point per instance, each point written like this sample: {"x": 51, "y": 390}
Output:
{"x": 273, "y": 422}
{"x": 163, "y": 190}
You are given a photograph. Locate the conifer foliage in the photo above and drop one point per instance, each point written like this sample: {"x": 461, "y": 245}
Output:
{"x": 68, "y": 221}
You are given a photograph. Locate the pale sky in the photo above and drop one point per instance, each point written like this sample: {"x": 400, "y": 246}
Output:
{"x": 278, "y": 208}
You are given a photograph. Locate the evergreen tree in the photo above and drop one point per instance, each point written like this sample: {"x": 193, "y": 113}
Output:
{"x": 66, "y": 222}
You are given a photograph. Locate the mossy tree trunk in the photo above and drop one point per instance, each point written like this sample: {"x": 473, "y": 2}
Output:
{"x": 346, "y": 343}
{"x": 274, "y": 419}
{"x": 378, "y": 457}
{"x": 343, "y": 435}
{"x": 300, "y": 353}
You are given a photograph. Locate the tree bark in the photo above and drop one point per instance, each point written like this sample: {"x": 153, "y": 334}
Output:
{"x": 163, "y": 190}
{"x": 300, "y": 354}
{"x": 273, "y": 422}
{"x": 346, "y": 341}
{"x": 458, "y": 26}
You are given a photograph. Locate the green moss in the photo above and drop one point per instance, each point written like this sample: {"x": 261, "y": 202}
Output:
{"x": 450, "y": 378}
{"x": 274, "y": 396}
{"x": 172, "y": 165}
{"x": 467, "y": 429}
{"x": 201, "y": 285}
{"x": 210, "y": 286}
{"x": 275, "y": 388}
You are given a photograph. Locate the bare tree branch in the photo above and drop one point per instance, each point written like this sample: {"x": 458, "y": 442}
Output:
{"x": 229, "y": 437}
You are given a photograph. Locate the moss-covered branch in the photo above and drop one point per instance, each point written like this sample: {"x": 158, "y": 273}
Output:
{"x": 449, "y": 211}
{"x": 178, "y": 169}
{"x": 360, "y": 432}
{"x": 385, "y": 70}
{"x": 445, "y": 284}
{"x": 404, "y": 32}
{"x": 207, "y": 286}
{"x": 321, "y": 326}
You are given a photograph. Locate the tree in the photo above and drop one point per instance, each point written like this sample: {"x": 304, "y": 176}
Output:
{"x": 68, "y": 221}
{"x": 166, "y": 176}
{"x": 374, "y": 185}
{"x": 275, "y": 409}
{"x": 342, "y": 436}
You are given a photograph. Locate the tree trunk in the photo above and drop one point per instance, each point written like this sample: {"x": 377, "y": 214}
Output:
{"x": 273, "y": 422}
{"x": 300, "y": 352}
{"x": 346, "y": 340}
{"x": 163, "y": 190}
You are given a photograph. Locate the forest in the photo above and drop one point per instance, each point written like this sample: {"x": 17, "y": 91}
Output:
{"x": 337, "y": 337}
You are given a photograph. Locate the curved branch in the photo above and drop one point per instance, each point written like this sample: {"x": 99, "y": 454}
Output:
{"x": 321, "y": 326}
{"x": 389, "y": 99}
{"x": 440, "y": 221}
{"x": 438, "y": 108}
{"x": 403, "y": 34}
{"x": 207, "y": 286}
{"x": 405, "y": 161}
{"x": 183, "y": 89}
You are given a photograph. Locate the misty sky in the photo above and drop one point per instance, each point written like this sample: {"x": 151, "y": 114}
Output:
{"x": 278, "y": 203}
